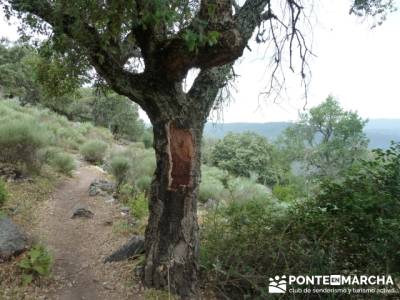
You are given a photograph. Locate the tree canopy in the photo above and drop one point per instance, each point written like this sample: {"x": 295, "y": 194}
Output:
{"x": 247, "y": 154}
{"x": 327, "y": 139}
{"x": 130, "y": 43}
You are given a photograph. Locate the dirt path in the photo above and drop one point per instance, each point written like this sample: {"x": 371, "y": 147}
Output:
{"x": 79, "y": 245}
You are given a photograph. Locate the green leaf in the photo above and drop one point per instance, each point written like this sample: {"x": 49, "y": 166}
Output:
{"x": 213, "y": 37}
{"x": 25, "y": 264}
{"x": 27, "y": 279}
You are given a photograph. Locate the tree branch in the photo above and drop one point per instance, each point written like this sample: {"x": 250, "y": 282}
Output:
{"x": 175, "y": 59}
{"x": 106, "y": 59}
{"x": 206, "y": 87}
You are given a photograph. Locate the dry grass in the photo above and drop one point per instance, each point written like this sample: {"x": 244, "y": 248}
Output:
{"x": 26, "y": 195}
{"x": 24, "y": 198}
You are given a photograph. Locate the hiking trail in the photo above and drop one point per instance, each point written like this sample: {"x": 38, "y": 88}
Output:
{"x": 80, "y": 245}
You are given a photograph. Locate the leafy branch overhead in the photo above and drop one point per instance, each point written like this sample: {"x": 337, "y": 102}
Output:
{"x": 167, "y": 37}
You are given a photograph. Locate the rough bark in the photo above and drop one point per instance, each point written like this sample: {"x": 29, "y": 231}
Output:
{"x": 171, "y": 242}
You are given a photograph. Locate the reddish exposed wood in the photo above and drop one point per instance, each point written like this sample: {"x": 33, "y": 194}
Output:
{"x": 181, "y": 151}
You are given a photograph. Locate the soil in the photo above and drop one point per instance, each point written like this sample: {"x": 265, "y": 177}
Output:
{"x": 80, "y": 245}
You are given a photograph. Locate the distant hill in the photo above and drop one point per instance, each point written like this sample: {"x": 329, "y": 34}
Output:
{"x": 379, "y": 131}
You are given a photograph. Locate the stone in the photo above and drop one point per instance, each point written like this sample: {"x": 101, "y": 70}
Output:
{"x": 101, "y": 187}
{"x": 110, "y": 200}
{"x": 125, "y": 210}
{"x": 82, "y": 211}
{"x": 12, "y": 240}
{"x": 133, "y": 247}
{"x": 108, "y": 222}
{"x": 10, "y": 173}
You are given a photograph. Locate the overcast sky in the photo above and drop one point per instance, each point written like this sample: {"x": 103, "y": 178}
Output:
{"x": 358, "y": 65}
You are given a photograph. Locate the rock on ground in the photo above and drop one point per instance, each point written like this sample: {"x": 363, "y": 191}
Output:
{"x": 133, "y": 247}
{"x": 12, "y": 240}
{"x": 101, "y": 187}
{"x": 82, "y": 211}
{"x": 9, "y": 173}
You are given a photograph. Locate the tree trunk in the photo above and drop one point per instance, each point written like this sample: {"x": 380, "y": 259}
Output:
{"x": 172, "y": 233}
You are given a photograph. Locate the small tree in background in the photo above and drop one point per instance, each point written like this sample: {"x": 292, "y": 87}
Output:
{"x": 17, "y": 76}
{"x": 118, "y": 114}
{"x": 38, "y": 76}
{"x": 327, "y": 140}
{"x": 247, "y": 154}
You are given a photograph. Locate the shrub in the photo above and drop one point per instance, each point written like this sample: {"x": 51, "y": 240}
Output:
{"x": 126, "y": 192}
{"x": 244, "y": 154}
{"x": 119, "y": 114}
{"x": 143, "y": 183}
{"x": 99, "y": 133}
{"x": 213, "y": 184}
{"x": 37, "y": 262}
{"x": 3, "y": 193}
{"x": 46, "y": 154}
{"x": 139, "y": 206}
{"x": 63, "y": 163}
{"x": 20, "y": 140}
{"x": 211, "y": 187}
{"x": 244, "y": 189}
{"x": 350, "y": 227}
{"x": 240, "y": 248}
{"x": 119, "y": 168}
{"x": 143, "y": 163}
{"x": 361, "y": 213}
{"x": 147, "y": 138}
{"x": 207, "y": 148}
{"x": 286, "y": 193}
{"x": 94, "y": 151}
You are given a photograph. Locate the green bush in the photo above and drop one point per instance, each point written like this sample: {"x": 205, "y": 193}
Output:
{"x": 94, "y": 151}
{"x": 46, "y": 154}
{"x": 243, "y": 189}
{"x": 63, "y": 163}
{"x": 350, "y": 227}
{"x": 240, "y": 248}
{"x": 247, "y": 154}
{"x": 286, "y": 193}
{"x": 361, "y": 213}
{"x": 3, "y": 193}
{"x": 139, "y": 206}
{"x": 143, "y": 183}
{"x": 126, "y": 192}
{"x": 120, "y": 168}
{"x": 207, "y": 148}
{"x": 37, "y": 262}
{"x": 212, "y": 184}
{"x": 20, "y": 140}
{"x": 118, "y": 114}
{"x": 143, "y": 162}
{"x": 147, "y": 138}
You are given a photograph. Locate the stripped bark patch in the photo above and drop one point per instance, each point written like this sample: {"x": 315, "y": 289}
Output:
{"x": 181, "y": 154}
